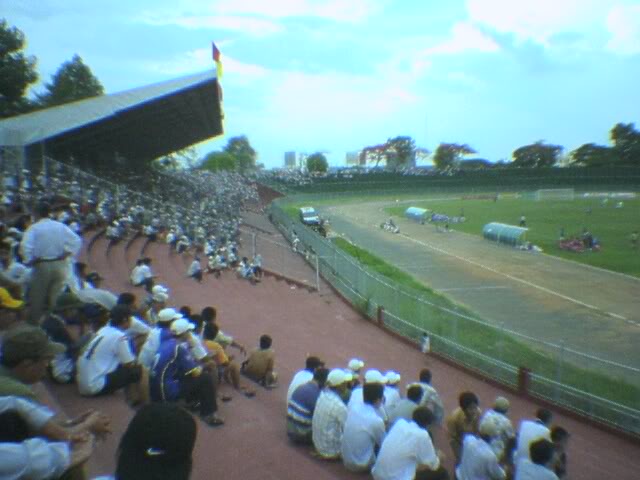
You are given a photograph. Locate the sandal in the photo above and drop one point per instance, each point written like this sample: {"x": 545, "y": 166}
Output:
{"x": 226, "y": 398}
{"x": 213, "y": 420}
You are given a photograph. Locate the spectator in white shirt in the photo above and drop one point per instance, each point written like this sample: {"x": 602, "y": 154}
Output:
{"x": 364, "y": 430}
{"x": 406, "y": 406}
{"x": 138, "y": 330}
{"x": 357, "y": 396}
{"x": 183, "y": 244}
{"x": 195, "y": 270}
{"x": 46, "y": 457}
{"x": 498, "y": 414}
{"x": 407, "y": 452}
{"x": 479, "y": 461}
{"x": 166, "y": 317}
{"x": 431, "y": 398}
{"x": 305, "y": 375}
{"x": 256, "y": 265}
{"x": 16, "y": 273}
{"x": 530, "y": 431}
{"x": 329, "y": 416}
{"x": 158, "y": 302}
{"x": 538, "y": 466}
{"x": 141, "y": 276}
{"x": 391, "y": 392}
{"x": 46, "y": 245}
{"x": 107, "y": 363}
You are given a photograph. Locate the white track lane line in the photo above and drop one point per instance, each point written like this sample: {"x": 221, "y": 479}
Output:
{"x": 464, "y": 289}
{"x": 516, "y": 279}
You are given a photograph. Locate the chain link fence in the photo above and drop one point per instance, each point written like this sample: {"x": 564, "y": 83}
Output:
{"x": 411, "y": 315}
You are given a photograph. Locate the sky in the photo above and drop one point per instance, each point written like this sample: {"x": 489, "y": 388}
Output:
{"x": 338, "y": 75}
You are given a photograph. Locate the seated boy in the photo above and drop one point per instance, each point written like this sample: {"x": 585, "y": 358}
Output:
{"x": 228, "y": 368}
{"x": 259, "y": 366}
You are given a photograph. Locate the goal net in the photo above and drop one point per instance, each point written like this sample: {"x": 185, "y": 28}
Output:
{"x": 555, "y": 194}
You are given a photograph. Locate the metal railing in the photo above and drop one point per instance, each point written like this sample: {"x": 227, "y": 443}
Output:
{"x": 411, "y": 315}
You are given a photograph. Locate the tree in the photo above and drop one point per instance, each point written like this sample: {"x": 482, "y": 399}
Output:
{"x": 17, "y": 71}
{"x": 217, "y": 161}
{"x": 475, "y": 164}
{"x": 401, "y": 152}
{"x": 536, "y": 155}
{"x": 448, "y": 155}
{"x": 317, "y": 162}
{"x": 242, "y": 150}
{"x": 73, "y": 81}
{"x": 592, "y": 155}
{"x": 374, "y": 153}
{"x": 626, "y": 143}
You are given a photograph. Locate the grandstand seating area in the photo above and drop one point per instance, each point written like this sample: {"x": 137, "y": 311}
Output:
{"x": 253, "y": 442}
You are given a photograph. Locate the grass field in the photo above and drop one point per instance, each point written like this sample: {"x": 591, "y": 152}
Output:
{"x": 491, "y": 341}
{"x": 545, "y": 219}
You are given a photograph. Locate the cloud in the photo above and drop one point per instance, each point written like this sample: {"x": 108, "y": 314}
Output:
{"x": 256, "y": 27}
{"x": 623, "y": 22}
{"x": 335, "y": 10}
{"x": 338, "y": 97}
{"x": 536, "y": 20}
{"x": 200, "y": 59}
{"x": 464, "y": 37}
{"x": 257, "y": 18}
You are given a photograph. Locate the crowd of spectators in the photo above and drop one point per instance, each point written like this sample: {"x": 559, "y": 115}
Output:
{"x": 192, "y": 205}
{"x": 365, "y": 422}
{"x": 57, "y": 322}
{"x": 170, "y": 360}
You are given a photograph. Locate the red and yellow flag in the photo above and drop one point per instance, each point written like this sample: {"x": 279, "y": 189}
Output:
{"x": 215, "y": 53}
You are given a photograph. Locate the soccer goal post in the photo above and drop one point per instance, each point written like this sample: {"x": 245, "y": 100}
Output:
{"x": 555, "y": 194}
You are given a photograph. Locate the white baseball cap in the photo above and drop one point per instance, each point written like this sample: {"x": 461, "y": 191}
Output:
{"x": 336, "y": 377}
{"x": 159, "y": 289}
{"x": 374, "y": 376}
{"x": 355, "y": 364}
{"x": 392, "y": 377}
{"x": 181, "y": 325}
{"x": 160, "y": 297}
{"x": 489, "y": 426}
{"x": 167, "y": 315}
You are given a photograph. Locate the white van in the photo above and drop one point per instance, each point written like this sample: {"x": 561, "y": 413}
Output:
{"x": 308, "y": 216}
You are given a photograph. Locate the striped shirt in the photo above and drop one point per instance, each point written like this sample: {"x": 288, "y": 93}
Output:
{"x": 300, "y": 409}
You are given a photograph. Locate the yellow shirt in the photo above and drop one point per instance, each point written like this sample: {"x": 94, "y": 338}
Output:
{"x": 458, "y": 424}
{"x": 217, "y": 352}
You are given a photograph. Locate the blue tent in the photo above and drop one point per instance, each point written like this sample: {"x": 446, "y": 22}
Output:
{"x": 503, "y": 233}
{"x": 417, "y": 214}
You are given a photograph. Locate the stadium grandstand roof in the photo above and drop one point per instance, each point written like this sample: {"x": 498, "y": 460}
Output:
{"x": 138, "y": 124}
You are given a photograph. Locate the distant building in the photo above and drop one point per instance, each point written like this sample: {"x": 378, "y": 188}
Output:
{"x": 290, "y": 160}
{"x": 352, "y": 158}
